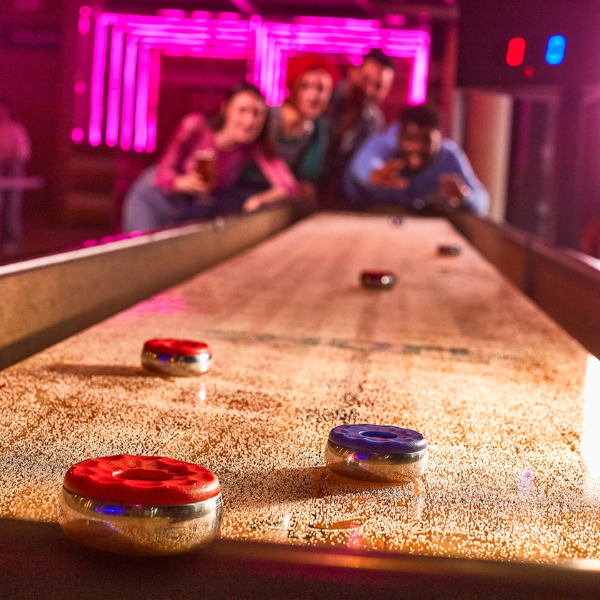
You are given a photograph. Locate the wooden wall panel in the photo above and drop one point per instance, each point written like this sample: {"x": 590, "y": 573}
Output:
{"x": 564, "y": 283}
{"x": 502, "y": 245}
{"x": 568, "y": 289}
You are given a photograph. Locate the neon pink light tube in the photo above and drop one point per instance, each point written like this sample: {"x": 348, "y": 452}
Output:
{"x": 337, "y": 22}
{"x": 254, "y": 68}
{"x": 191, "y": 33}
{"x": 265, "y": 45}
{"x": 97, "y": 94}
{"x": 412, "y": 45}
{"x": 84, "y": 25}
{"x": 153, "y": 100}
{"x": 172, "y": 13}
{"x": 418, "y": 77}
{"x": 148, "y": 79}
{"x": 141, "y": 105}
{"x": 99, "y": 64}
{"x": 145, "y": 122}
{"x": 229, "y": 51}
{"x": 114, "y": 86}
{"x": 129, "y": 92}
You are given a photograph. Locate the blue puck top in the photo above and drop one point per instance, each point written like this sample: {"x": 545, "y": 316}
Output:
{"x": 385, "y": 439}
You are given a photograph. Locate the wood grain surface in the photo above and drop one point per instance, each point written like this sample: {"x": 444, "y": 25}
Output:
{"x": 509, "y": 403}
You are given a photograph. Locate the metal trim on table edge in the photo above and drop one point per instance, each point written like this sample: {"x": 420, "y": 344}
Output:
{"x": 41, "y": 552}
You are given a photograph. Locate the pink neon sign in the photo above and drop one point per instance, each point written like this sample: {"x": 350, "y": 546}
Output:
{"x": 138, "y": 41}
{"x": 341, "y": 36}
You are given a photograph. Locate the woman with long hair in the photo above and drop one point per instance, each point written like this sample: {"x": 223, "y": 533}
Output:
{"x": 197, "y": 174}
{"x": 299, "y": 129}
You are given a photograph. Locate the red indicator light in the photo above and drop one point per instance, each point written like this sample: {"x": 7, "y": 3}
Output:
{"x": 528, "y": 72}
{"x": 515, "y": 52}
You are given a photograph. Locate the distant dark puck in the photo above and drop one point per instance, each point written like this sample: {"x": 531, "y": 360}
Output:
{"x": 378, "y": 279}
{"x": 449, "y": 250}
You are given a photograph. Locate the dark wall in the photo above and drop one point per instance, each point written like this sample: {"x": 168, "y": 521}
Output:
{"x": 31, "y": 46}
{"x": 486, "y": 26}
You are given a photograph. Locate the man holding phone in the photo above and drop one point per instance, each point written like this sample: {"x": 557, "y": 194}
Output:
{"x": 411, "y": 166}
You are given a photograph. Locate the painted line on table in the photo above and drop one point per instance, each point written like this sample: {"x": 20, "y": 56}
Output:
{"x": 262, "y": 338}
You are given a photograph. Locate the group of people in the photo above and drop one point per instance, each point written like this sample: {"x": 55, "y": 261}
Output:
{"x": 329, "y": 138}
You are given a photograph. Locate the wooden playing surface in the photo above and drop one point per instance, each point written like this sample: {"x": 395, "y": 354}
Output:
{"x": 509, "y": 403}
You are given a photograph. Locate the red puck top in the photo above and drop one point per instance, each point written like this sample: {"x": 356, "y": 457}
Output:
{"x": 152, "y": 480}
{"x": 173, "y": 346}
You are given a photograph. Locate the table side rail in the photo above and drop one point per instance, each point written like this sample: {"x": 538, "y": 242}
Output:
{"x": 565, "y": 284}
{"x": 38, "y": 560}
{"x": 48, "y": 299}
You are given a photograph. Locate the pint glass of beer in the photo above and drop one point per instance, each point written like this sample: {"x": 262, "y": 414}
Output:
{"x": 206, "y": 167}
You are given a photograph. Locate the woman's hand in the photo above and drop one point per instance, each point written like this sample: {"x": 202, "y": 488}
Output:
{"x": 388, "y": 176}
{"x": 308, "y": 192}
{"x": 192, "y": 183}
{"x": 270, "y": 196}
{"x": 253, "y": 203}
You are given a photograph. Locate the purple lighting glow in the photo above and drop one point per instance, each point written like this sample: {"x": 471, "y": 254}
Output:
{"x": 77, "y": 135}
{"x": 84, "y": 20}
{"x": 133, "y": 44}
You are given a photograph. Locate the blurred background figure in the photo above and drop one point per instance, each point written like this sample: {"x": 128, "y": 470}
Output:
{"x": 198, "y": 173}
{"x": 411, "y": 166}
{"x": 589, "y": 240}
{"x": 355, "y": 114}
{"x": 15, "y": 151}
{"x": 299, "y": 129}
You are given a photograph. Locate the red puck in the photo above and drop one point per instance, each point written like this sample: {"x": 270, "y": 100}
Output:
{"x": 150, "y": 480}
{"x": 378, "y": 274}
{"x": 176, "y": 347}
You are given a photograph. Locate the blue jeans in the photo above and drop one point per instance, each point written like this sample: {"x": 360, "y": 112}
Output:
{"x": 149, "y": 207}
{"x": 11, "y": 201}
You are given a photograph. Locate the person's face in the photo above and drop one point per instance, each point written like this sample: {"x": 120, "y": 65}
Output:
{"x": 374, "y": 81}
{"x": 245, "y": 116}
{"x": 418, "y": 145}
{"x": 312, "y": 93}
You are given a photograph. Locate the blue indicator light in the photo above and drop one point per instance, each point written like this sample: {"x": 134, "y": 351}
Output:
{"x": 555, "y": 53}
{"x": 361, "y": 456}
{"x": 112, "y": 510}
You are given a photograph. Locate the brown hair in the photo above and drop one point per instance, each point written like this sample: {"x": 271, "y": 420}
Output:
{"x": 423, "y": 115}
{"x": 380, "y": 57}
{"x": 265, "y": 137}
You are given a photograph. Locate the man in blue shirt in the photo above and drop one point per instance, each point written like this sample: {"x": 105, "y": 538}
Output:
{"x": 354, "y": 114}
{"x": 411, "y": 166}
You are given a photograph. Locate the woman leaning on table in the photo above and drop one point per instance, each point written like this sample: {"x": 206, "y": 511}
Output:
{"x": 299, "y": 129}
{"x": 198, "y": 174}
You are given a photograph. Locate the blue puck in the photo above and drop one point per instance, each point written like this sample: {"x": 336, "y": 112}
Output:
{"x": 384, "y": 439}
